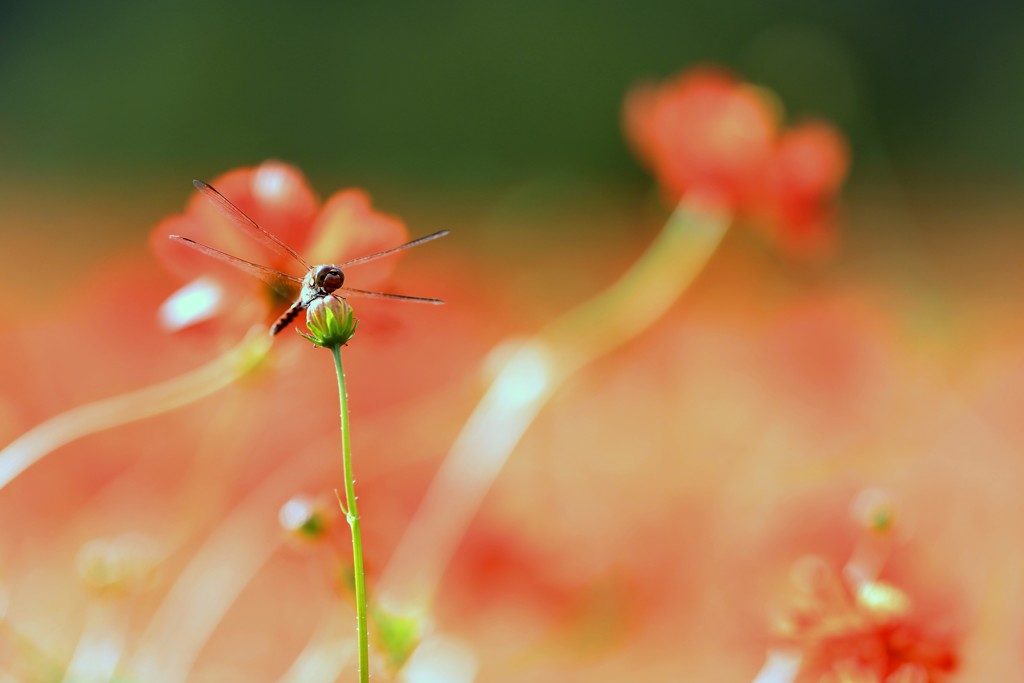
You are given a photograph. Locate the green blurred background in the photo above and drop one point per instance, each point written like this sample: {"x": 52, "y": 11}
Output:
{"x": 478, "y": 95}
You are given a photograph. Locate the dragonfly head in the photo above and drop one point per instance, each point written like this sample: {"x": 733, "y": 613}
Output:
{"x": 328, "y": 278}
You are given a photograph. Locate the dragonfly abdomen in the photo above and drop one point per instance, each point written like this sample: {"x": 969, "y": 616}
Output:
{"x": 287, "y": 317}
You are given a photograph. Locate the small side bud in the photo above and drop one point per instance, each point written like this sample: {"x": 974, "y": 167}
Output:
{"x": 874, "y": 510}
{"x": 303, "y": 518}
{"x": 330, "y": 321}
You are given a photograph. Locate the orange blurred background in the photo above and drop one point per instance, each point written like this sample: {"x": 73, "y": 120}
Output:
{"x": 648, "y": 522}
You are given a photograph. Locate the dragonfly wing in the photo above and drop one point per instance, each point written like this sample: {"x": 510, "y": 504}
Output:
{"x": 414, "y": 243}
{"x": 248, "y": 225}
{"x": 282, "y": 283}
{"x": 384, "y": 295}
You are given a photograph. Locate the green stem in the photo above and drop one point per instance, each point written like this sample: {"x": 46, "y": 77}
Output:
{"x": 351, "y": 511}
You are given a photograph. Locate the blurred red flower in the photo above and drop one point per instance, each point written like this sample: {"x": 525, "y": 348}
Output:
{"x": 706, "y": 132}
{"x": 864, "y": 632}
{"x": 849, "y": 624}
{"x": 278, "y": 197}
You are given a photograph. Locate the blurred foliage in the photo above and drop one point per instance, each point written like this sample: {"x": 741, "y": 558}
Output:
{"x": 468, "y": 93}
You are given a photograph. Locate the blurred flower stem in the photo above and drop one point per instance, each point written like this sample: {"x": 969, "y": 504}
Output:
{"x": 325, "y": 656}
{"x": 101, "y": 644}
{"x": 232, "y": 554}
{"x": 135, "y": 405}
{"x": 531, "y": 375}
{"x": 351, "y": 511}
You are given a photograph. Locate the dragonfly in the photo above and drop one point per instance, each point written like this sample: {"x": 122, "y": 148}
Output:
{"x": 319, "y": 280}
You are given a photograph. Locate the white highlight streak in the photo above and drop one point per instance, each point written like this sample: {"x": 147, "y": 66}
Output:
{"x": 441, "y": 659}
{"x": 780, "y": 667}
{"x": 197, "y": 301}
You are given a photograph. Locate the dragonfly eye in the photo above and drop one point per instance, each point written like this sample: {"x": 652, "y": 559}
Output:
{"x": 330, "y": 279}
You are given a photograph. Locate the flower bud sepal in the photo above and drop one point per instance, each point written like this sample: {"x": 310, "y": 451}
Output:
{"x": 330, "y": 321}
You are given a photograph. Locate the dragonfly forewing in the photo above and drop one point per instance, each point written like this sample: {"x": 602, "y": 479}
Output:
{"x": 286, "y": 285}
{"x": 248, "y": 225}
{"x": 290, "y": 286}
{"x": 374, "y": 257}
{"x": 385, "y": 295}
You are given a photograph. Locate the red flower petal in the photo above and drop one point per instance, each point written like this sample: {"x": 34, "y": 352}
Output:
{"x": 810, "y": 162}
{"x": 705, "y": 129}
{"x": 273, "y": 194}
{"x": 348, "y": 227}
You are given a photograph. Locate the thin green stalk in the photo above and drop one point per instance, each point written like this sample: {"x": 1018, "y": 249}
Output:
{"x": 351, "y": 511}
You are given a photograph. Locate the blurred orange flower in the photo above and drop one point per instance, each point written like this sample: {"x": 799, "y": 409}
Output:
{"x": 278, "y": 197}
{"x": 706, "y": 132}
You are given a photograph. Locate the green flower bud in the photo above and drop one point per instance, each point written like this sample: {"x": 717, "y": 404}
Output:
{"x": 331, "y": 322}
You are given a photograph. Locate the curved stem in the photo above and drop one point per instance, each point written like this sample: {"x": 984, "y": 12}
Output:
{"x": 219, "y": 571}
{"x": 522, "y": 387}
{"x": 106, "y": 413}
{"x": 351, "y": 511}
{"x": 325, "y": 656}
{"x": 101, "y": 644}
